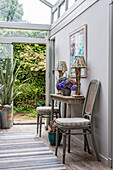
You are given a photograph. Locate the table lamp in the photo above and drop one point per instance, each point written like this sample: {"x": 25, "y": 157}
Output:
{"x": 61, "y": 67}
{"x": 78, "y": 63}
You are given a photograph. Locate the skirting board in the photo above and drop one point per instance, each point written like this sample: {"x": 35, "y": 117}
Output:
{"x": 103, "y": 159}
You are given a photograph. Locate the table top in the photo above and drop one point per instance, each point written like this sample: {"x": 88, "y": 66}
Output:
{"x": 76, "y": 99}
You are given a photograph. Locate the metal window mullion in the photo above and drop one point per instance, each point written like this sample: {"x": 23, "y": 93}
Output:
{"x": 58, "y": 12}
{"x": 66, "y": 5}
{"x": 52, "y": 16}
{"x": 47, "y": 3}
{"x": 48, "y": 70}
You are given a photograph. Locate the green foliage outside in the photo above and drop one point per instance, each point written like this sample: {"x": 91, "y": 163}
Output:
{"x": 33, "y": 67}
{"x": 11, "y": 10}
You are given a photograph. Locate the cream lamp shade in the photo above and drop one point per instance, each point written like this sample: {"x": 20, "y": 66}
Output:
{"x": 61, "y": 67}
{"x": 78, "y": 61}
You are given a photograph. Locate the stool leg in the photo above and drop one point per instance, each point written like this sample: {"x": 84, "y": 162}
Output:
{"x": 64, "y": 146}
{"x": 84, "y": 141}
{"x": 37, "y": 122}
{"x": 57, "y": 136}
{"x": 49, "y": 119}
{"x": 40, "y": 125}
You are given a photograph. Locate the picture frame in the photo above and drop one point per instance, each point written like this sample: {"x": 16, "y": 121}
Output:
{"x": 77, "y": 42}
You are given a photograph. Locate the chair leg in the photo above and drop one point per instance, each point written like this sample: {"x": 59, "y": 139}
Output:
{"x": 64, "y": 146}
{"x": 40, "y": 125}
{"x": 86, "y": 142}
{"x": 69, "y": 139}
{"x": 37, "y": 122}
{"x": 94, "y": 144}
{"x": 57, "y": 136}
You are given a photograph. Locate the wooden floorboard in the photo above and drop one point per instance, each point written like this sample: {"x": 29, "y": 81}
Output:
{"x": 76, "y": 160}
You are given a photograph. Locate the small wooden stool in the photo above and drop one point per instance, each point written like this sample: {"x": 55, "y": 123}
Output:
{"x": 45, "y": 112}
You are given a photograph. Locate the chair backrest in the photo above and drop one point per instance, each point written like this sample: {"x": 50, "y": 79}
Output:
{"x": 89, "y": 102}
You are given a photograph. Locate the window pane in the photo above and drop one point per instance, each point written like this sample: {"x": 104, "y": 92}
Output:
{"x": 55, "y": 15}
{"x": 62, "y": 9}
{"x": 22, "y": 33}
{"x": 28, "y": 11}
{"x": 70, "y": 3}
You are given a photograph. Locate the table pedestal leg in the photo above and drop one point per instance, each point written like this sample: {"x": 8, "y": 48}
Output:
{"x": 65, "y": 110}
{"x": 52, "y": 110}
{"x": 69, "y": 137}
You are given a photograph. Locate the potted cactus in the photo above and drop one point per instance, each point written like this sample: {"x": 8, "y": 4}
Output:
{"x": 8, "y": 94}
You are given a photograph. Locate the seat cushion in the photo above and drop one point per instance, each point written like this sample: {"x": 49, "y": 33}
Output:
{"x": 72, "y": 121}
{"x": 46, "y": 110}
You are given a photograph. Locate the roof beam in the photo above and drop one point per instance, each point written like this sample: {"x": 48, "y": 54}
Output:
{"x": 10, "y": 40}
{"x": 25, "y": 26}
{"x": 47, "y": 3}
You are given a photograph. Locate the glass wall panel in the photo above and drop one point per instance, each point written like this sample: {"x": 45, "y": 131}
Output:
{"x": 28, "y": 11}
{"x": 22, "y": 33}
{"x": 70, "y": 3}
{"x": 62, "y": 8}
{"x": 5, "y": 51}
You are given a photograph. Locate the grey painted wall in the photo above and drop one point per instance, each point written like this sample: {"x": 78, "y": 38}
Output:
{"x": 96, "y": 17}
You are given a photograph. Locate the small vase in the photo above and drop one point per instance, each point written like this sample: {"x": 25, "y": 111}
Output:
{"x": 73, "y": 92}
{"x": 66, "y": 92}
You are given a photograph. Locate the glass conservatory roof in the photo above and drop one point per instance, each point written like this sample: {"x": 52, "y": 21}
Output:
{"x": 52, "y": 1}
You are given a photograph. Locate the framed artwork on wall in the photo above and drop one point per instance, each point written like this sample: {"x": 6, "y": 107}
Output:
{"x": 77, "y": 40}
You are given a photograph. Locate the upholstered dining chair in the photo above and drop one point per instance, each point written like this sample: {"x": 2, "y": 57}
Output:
{"x": 85, "y": 123}
{"x": 45, "y": 112}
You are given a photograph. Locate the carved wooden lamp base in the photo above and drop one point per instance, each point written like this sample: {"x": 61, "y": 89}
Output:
{"x": 60, "y": 73}
{"x": 78, "y": 77}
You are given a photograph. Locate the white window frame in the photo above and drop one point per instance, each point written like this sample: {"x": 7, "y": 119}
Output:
{"x": 73, "y": 12}
{"x": 11, "y": 40}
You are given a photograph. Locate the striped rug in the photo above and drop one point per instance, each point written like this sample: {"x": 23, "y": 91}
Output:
{"x": 25, "y": 151}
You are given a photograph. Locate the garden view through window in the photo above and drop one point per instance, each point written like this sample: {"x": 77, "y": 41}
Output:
{"x": 33, "y": 58}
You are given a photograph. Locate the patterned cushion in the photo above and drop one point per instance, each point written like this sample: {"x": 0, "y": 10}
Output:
{"x": 72, "y": 121}
{"x": 46, "y": 110}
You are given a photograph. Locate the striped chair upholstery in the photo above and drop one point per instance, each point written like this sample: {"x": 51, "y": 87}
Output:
{"x": 46, "y": 110}
{"x": 72, "y": 121}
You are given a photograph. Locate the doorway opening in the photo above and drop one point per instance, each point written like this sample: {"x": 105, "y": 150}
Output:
{"x": 32, "y": 73}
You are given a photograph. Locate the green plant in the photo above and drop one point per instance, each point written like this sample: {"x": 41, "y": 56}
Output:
{"x": 8, "y": 80}
{"x": 33, "y": 114}
{"x": 22, "y": 108}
